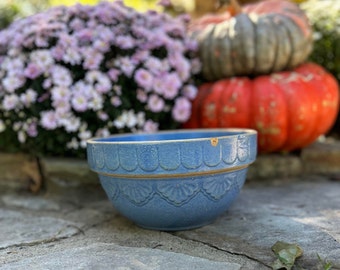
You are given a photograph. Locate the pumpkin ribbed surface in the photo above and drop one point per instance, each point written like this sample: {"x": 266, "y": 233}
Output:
{"x": 266, "y": 37}
{"x": 290, "y": 110}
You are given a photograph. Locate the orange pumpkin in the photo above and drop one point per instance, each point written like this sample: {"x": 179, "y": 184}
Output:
{"x": 289, "y": 109}
{"x": 260, "y": 38}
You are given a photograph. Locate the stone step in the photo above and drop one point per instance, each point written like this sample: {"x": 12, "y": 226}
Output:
{"x": 19, "y": 171}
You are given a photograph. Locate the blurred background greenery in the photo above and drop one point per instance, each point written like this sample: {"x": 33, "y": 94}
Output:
{"x": 13, "y": 9}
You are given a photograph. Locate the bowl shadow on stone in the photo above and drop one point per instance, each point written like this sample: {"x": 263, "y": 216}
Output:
{"x": 173, "y": 180}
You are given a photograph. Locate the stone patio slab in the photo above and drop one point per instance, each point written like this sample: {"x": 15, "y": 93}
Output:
{"x": 111, "y": 256}
{"x": 80, "y": 229}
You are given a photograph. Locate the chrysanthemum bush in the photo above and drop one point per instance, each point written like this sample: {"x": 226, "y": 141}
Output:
{"x": 71, "y": 73}
{"x": 325, "y": 20}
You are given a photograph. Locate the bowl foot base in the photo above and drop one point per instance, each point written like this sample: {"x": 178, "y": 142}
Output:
{"x": 175, "y": 228}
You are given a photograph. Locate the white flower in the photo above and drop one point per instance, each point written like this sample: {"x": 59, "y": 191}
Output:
{"x": 71, "y": 123}
{"x": 10, "y": 102}
{"x": 62, "y": 106}
{"x": 83, "y": 88}
{"x": 116, "y": 101}
{"x": 13, "y": 66}
{"x": 49, "y": 120}
{"x": 17, "y": 126}
{"x": 22, "y": 136}
{"x": 150, "y": 126}
{"x": 101, "y": 81}
{"x": 84, "y": 136}
{"x": 11, "y": 83}
{"x": 131, "y": 120}
{"x": 102, "y": 132}
{"x": 96, "y": 103}
{"x": 42, "y": 58}
{"x": 60, "y": 93}
{"x": 73, "y": 144}
{"x": 128, "y": 119}
{"x": 72, "y": 56}
{"x": 140, "y": 119}
{"x": 29, "y": 97}
{"x": 61, "y": 76}
{"x": 120, "y": 121}
{"x": 79, "y": 103}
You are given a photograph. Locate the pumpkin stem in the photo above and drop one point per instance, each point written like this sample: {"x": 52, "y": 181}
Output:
{"x": 235, "y": 7}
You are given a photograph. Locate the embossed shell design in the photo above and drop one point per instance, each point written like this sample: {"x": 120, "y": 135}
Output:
{"x": 174, "y": 159}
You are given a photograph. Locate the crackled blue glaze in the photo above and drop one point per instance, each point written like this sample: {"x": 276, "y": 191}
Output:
{"x": 175, "y": 152}
{"x": 174, "y": 204}
{"x": 173, "y": 180}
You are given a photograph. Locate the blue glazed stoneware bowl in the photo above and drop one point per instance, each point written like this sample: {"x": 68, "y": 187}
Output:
{"x": 173, "y": 180}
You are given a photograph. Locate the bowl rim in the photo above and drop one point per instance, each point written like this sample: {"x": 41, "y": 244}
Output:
{"x": 237, "y": 131}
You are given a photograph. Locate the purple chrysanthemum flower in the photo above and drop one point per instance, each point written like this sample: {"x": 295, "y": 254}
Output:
{"x": 49, "y": 120}
{"x": 10, "y": 102}
{"x": 182, "y": 109}
{"x": 79, "y": 103}
{"x": 155, "y": 103}
{"x": 32, "y": 71}
{"x": 150, "y": 126}
{"x": 32, "y": 129}
{"x": 144, "y": 79}
{"x": 85, "y": 70}
{"x": 172, "y": 84}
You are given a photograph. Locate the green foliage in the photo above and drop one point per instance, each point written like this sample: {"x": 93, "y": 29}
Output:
{"x": 325, "y": 265}
{"x": 11, "y": 10}
{"x": 140, "y": 5}
{"x": 72, "y": 2}
{"x": 325, "y": 19}
{"x": 286, "y": 255}
{"x": 7, "y": 14}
